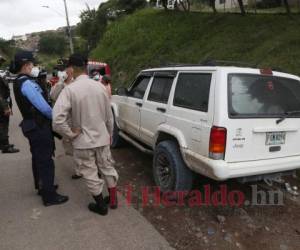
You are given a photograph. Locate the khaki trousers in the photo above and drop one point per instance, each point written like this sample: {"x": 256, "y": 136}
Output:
{"x": 68, "y": 147}
{"x": 93, "y": 161}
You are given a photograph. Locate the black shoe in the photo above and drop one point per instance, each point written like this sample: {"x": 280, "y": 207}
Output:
{"x": 76, "y": 177}
{"x": 56, "y": 199}
{"x": 40, "y": 191}
{"x": 99, "y": 207}
{"x": 93, "y": 207}
{"x": 10, "y": 150}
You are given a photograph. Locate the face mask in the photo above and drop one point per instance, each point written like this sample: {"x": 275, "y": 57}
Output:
{"x": 35, "y": 72}
{"x": 96, "y": 77}
{"x": 62, "y": 75}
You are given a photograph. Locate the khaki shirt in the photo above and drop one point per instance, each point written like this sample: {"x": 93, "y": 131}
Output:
{"x": 56, "y": 90}
{"x": 88, "y": 105}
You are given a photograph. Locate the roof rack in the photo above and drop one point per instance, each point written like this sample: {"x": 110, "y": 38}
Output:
{"x": 210, "y": 62}
{"x": 213, "y": 63}
{"x": 180, "y": 65}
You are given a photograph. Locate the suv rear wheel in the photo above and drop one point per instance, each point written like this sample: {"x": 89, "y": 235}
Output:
{"x": 169, "y": 170}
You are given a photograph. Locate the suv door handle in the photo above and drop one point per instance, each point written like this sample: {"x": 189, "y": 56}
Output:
{"x": 163, "y": 110}
{"x": 139, "y": 104}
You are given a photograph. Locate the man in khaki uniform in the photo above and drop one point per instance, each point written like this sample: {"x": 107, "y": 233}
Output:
{"x": 88, "y": 105}
{"x": 67, "y": 143}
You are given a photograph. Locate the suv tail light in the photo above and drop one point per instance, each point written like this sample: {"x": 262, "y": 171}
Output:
{"x": 217, "y": 143}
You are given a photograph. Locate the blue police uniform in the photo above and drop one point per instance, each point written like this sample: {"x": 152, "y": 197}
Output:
{"x": 36, "y": 127}
{"x": 5, "y": 103}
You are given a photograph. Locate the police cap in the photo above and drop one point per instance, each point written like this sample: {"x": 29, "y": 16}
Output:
{"x": 20, "y": 59}
{"x": 24, "y": 56}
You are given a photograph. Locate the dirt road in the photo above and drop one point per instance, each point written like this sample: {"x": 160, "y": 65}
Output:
{"x": 208, "y": 227}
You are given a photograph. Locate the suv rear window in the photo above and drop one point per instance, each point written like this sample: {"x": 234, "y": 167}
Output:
{"x": 192, "y": 91}
{"x": 160, "y": 89}
{"x": 262, "y": 96}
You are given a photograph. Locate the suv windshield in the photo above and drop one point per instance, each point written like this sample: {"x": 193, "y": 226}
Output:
{"x": 263, "y": 96}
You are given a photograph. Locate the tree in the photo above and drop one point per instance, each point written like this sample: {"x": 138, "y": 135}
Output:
{"x": 93, "y": 22}
{"x": 7, "y": 48}
{"x": 287, "y": 6}
{"x": 242, "y": 8}
{"x": 88, "y": 28}
{"x": 52, "y": 43}
{"x": 185, "y": 4}
{"x": 213, "y": 5}
{"x": 131, "y": 5}
{"x": 165, "y": 4}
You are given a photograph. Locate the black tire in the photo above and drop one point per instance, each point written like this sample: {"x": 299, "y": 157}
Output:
{"x": 117, "y": 140}
{"x": 169, "y": 170}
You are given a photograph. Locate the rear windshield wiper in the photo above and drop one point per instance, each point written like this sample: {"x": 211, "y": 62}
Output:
{"x": 286, "y": 115}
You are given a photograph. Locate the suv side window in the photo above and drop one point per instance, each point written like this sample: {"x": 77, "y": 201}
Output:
{"x": 160, "y": 89}
{"x": 139, "y": 88}
{"x": 192, "y": 91}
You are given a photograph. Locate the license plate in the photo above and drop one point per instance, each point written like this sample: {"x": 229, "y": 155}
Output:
{"x": 275, "y": 138}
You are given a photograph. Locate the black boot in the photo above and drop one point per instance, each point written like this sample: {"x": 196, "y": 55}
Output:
{"x": 100, "y": 207}
{"x": 53, "y": 198}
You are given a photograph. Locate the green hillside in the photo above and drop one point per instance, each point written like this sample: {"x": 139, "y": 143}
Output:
{"x": 153, "y": 37}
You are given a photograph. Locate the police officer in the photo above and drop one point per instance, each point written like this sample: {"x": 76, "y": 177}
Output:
{"x": 36, "y": 127}
{"x": 45, "y": 86}
{"x": 5, "y": 113}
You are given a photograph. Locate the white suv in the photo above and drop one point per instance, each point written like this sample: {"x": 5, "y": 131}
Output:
{"x": 221, "y": 122}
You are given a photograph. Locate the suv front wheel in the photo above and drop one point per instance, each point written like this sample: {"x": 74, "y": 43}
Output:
{"x": 169, "y": 170}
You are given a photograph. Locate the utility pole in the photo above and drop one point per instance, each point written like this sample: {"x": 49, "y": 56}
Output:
{"x": 69, "y": 28}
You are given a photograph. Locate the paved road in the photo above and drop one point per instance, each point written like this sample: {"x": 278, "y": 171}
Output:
{"x": 26, "y": 224}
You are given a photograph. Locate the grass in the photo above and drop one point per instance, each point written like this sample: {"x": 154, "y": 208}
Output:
{"x": 152, "y": 38}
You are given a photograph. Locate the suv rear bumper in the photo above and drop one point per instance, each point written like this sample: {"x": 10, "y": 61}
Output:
{"x": 222, "y": 170}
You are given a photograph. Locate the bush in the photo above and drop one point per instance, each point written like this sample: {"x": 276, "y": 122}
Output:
{"x": 52, "y": 43}
{"x": 7, "y": 49}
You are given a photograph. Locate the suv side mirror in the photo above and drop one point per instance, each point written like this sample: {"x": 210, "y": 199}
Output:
{"x": 122, "y": 91}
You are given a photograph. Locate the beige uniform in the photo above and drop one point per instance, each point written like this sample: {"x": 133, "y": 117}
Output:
{"x": 88, "y": 105}
{"x": 67, "y": 143}
{"x": 56, "y": 90}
